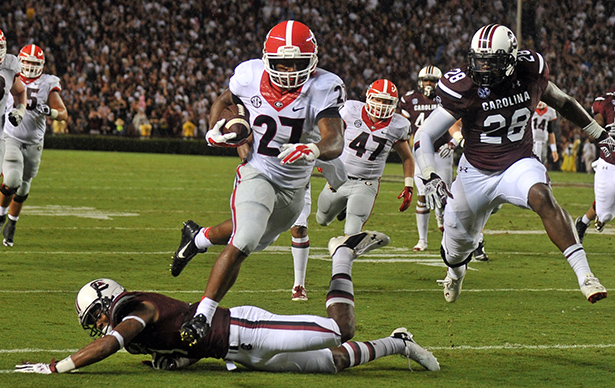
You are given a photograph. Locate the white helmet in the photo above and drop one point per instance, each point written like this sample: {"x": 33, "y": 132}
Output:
{"x": 493, "y": 55}
{"x": 429, "y": 73}
{"x": 94, "y": 299}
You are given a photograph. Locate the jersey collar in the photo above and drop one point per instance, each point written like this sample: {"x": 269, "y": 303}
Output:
{"x": 277, "y": 98}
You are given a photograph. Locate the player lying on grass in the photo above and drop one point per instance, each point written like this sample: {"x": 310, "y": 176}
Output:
{"x": 149, "y": 323}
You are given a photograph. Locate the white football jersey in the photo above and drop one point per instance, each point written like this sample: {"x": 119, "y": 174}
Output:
{"x": 290, "y": 118}
{"x": 9, "y": 68}
{"x": 33, "y": 126}
{"x": 540, "y": 123}
{"x": 367, "y": 144}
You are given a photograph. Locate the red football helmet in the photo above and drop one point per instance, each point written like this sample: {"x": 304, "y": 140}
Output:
{"x": 32, "y": 60}
{"x": 292, "y": 44}
{"x": 381, "y": 99}
{"x": 2, "y": 46}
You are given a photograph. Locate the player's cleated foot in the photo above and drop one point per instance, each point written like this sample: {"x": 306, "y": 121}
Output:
{"x": 452, "y": 288}
{"x": 360, "y": 243}
{"x": 599, "y": 225}
{"x": 299, "y": 293}
{"x": 9, "y": 232}
{"x": 414, "y": 351}
{"x": 479, "y": 253}
{"x": 581, "y": 228}
{"x": 593, "y": 289}
{"x": 420, "y": 246}
{"x": 187, "y": 248}
{"x": 194, "y": 329}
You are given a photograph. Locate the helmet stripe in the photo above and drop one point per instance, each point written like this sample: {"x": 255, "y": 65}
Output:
{"x": 289, "y": 33}
{"x": 486, "y": 36}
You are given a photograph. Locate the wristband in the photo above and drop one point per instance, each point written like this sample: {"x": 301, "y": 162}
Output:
{"x": 65, "y": 365}
{"x": 594, "y": 129}
{"x": 553, "y": 147}
{"x": 54, "y": 114}
{"x": 118, "y": 337}
{"x": 458, "y": 137}
{"x": 314, "y": 149}
{"x": 409, "y": 181}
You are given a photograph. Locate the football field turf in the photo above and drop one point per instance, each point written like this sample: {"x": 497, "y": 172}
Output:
{"x": 520, "y": 321}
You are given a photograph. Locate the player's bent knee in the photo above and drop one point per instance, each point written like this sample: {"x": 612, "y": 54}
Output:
{"x": 8, "y": 191}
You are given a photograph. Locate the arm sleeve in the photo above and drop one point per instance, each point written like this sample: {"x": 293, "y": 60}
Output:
{"x": 438, "y": 122}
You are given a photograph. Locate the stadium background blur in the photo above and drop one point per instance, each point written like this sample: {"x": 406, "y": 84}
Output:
{"x": 170, "y": 59}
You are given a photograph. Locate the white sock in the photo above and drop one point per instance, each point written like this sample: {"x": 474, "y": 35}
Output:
{"x": 575, "y": 254}
{"x": 585, "y": 220}
{"x": 201, "y": 240}
{"x": 13, "y": 218}
{"x": 4, "y": 210}
{"x": 422, "y": 220}
{"x": 457, "y": 272}
{"x": 300, "y": 250}
{"x": 207, "y": 307}
{"x": 342, "y": 261}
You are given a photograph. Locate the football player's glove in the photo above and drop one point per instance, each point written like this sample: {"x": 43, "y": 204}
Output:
{"x": 16, "y": 115}
{"x": 41, "y": 368}
{"x": 290, "y": 153}
{"x": 447, "y": 149}
{"x": 46, "y": 110}
{"x": 436, "y": 192}
{"x": 607, "y": 149}
{"x": 406, "y": 194}
{"x": 167, "y": 362}
{"x": 216, "y": 138}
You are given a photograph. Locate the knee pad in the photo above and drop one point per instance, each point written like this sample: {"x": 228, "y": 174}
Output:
{"x": 20, "y": 198}
{"x": 443, "y": 254}
{"x": 8, "y": 191}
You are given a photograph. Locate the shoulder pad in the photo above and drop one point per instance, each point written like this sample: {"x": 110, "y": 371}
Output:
{"x": 246, "y": 71}
{"x": 11, "y": 62}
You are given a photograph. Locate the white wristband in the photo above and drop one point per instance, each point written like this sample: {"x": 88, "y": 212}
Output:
{"x": 553, "y": 147}
{"x": 54, "y": 114}
{"x": 409, "y": 181}
{"x": 314, "y": 149}
{"x": 65, "y": 365}
{"x": 118, "y": 337}
{"x": 458, "y": 136}
{"x": 594, "y": 129}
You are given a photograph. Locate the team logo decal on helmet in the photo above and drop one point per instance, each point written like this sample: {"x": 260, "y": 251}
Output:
{"x": 290, "y": 54}
{"x": 32, "y": 60}
{"x": 381, "y": 99}
{"x": 492, "y": 55}
{"x": 429, "y": 73}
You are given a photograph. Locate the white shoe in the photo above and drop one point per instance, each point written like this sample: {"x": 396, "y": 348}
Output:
{"x": 593, "y": 289}
{"x": 414, "y": 351}
{"x": 420, "y": 246}
{"x": 299, "y": 293}
{"x": 360, "y": 243}
{"x": 452, "y": 288}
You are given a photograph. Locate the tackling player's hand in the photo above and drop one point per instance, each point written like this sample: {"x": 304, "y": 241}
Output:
{"x": 436, "y": 192}
{"x": 16, "y": 115}
{"x": 406, "y": 194}
{"x": 290, "y": 153}
{"x": 216, "y": 138}
{"x": 447, "y": 149}
{"x": 607, "y": 149}
{"x": 44, "y": 109}
{"x": 41, "y": 368}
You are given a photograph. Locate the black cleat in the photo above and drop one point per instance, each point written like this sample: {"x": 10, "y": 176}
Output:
{"x": 581, "y": 228}
{"x": 479, "y": 253}
{"x": 194, "y": 329}
{"x": 342, "y": 215}
{"x": 9, "y": 232}
{"x": 187, "y": 248}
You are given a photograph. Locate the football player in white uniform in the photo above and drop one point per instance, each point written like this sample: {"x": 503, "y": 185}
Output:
{"x": 290, "y": 103}
{"x": 373, "y": 129}
{"x": 24, "y": 142}
{"x": 543, "y": 132}
{"x": 10, "y": 85}
{"x": 495, "y": 96}
{"x": 147, "y": 323}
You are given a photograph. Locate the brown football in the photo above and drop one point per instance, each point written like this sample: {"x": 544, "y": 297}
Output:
{"x": 237, "y": 121}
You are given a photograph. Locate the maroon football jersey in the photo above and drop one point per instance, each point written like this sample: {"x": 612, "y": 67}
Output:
{"x": 605, "y": 105}
{"x": 416, "y": 107}
{"x": 495, "y": 120}
{"x": 164, "y": 334}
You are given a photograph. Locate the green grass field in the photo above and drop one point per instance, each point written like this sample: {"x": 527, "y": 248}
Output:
{"x": 520, "y": 321}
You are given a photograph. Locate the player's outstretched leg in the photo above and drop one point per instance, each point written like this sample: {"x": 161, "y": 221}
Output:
{"x": 340, "y": 299}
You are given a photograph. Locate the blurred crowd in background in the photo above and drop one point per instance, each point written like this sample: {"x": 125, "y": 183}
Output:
{"x": 153, "y": 68}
